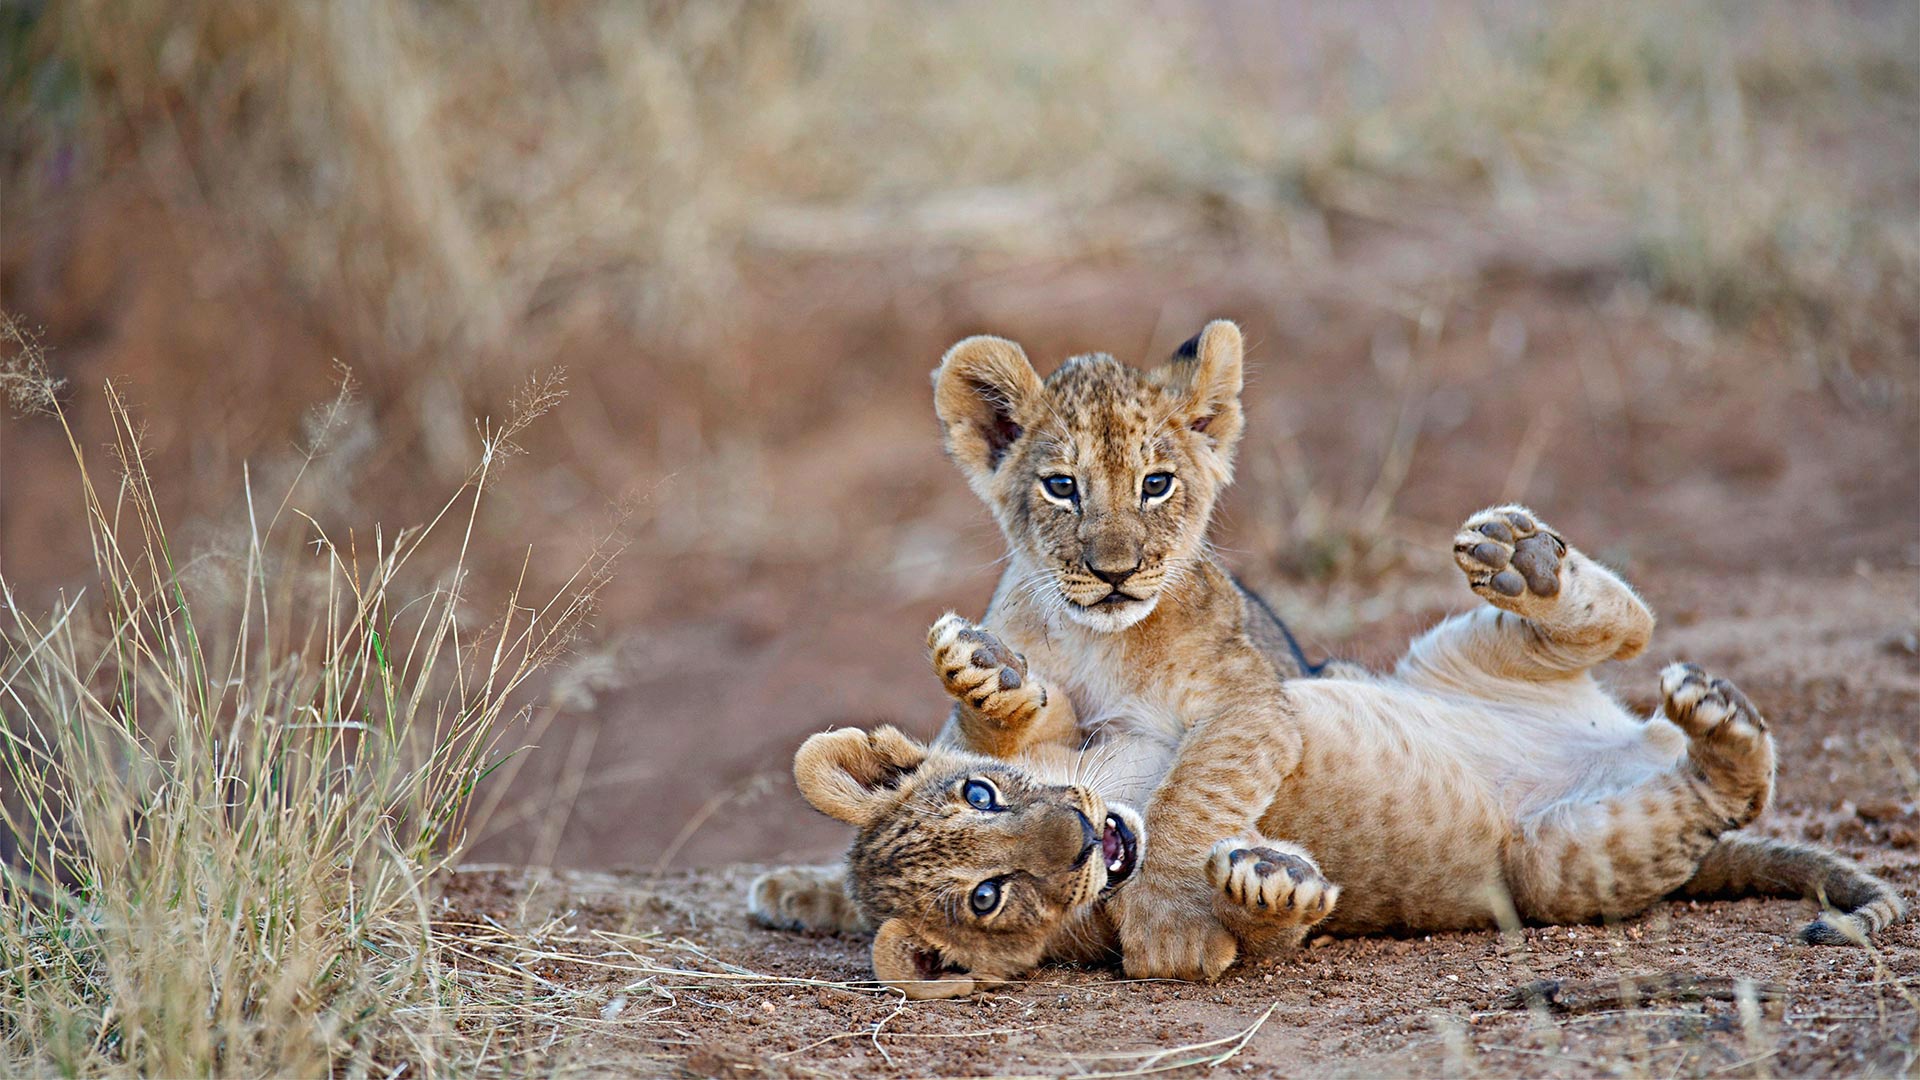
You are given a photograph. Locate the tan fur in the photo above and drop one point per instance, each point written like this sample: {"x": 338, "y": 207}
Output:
{"x": 921, "y": 848}
{"x": 1487, "y": 775}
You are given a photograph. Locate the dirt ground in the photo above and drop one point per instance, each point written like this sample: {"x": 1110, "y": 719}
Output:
{"x": 1845, "y": 707}
{"x": 797, "y": 536}
{"x": 1430, "y": 331}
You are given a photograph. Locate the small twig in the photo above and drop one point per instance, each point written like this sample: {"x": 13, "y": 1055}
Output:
{"x": 1155, "y": 1060}
{"x": 1754, "y": 1060}
{"x": 1560, "y": 1055}
{"x": 1580, "y": 997}
{"x": 982, "y": 1033}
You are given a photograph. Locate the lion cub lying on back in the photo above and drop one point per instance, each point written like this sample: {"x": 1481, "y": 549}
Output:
{"x": 1446, "y": 795}
{"x": 1488, "y": 773}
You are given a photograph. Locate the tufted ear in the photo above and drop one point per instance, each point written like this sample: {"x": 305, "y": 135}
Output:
{"x": 1207, "y": 370}
{"x": 982, "y": 391}
{"x": 848, "y": 774}
{"x": 907, "y": 960}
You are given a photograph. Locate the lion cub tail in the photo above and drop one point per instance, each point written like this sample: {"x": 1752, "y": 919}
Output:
{"x": 1856, "y": 903}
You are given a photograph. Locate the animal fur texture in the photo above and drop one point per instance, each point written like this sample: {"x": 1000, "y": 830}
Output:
{"x": 1169, "y": 780}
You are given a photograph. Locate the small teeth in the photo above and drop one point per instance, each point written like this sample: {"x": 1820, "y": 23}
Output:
{"x": 1116, "y": 864}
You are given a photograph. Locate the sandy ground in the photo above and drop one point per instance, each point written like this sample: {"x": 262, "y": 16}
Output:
{"x": 1846, "y": 711}
{"x": 795, "y": 540}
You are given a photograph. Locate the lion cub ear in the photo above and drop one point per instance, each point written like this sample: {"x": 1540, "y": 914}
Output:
{"x": 1207, "y": 371}
{"x": 848, "y": 774}
{"x": 907, "y": 960}
{"x": 983, "y": 391}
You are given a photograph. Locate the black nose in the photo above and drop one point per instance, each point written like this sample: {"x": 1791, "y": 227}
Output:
{"x": 1115, "y": 578}
{"x": 1089, "y": 839}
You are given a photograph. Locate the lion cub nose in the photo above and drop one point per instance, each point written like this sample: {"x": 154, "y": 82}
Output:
{"x": 1114, "y": 575}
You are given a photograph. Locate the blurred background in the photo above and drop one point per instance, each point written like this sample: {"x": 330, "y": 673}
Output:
{"x": 1652, "y": 267}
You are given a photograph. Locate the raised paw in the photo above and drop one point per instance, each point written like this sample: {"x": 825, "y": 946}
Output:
{"x": 976, "y": 668}
{"x": 1706, "y": 707}
{"x": 1726, "y": 737}
{"x": 1511, "y": 558}
{"x": 803, "y": 898}
{"x": 1268, "y": 883}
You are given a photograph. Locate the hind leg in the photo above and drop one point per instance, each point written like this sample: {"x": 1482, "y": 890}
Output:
{"x": 1554, "y": 612}
{"x": 1583, "y": 859}
{"x": 804, "y": 898}
{"x": 1727, "y": 740}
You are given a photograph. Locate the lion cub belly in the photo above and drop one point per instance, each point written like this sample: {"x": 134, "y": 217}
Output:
{"x": 1392, "y": 809}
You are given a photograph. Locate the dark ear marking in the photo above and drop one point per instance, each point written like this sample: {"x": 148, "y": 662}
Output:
{"x": 1001, "y": 432}
{"x": 983, "y": 392}
{"x": 927, "y": 963}
{"x": 1189, "y": 349}
{"x": 916, "y": 964}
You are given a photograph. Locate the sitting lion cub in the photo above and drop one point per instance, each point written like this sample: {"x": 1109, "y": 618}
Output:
{"x": 1135, "y": 759}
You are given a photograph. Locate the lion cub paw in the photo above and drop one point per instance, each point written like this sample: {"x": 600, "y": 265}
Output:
{"x": 1271, "y": 884}
{"x": 1710, "y": 709}
{"x": 1511, "y": 559}
{"x": 977, "y": 669}
{"x": 803, "y": 898}
{"x": 1726, "y": 736}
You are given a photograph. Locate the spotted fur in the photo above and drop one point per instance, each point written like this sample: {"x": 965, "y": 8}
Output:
{"x": 1487, "y": 777}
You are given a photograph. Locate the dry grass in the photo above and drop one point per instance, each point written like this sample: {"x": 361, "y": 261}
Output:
{"x": 450, "y": 173}
{"x": 227, "y": 783}
{"x": 460, "y": 191}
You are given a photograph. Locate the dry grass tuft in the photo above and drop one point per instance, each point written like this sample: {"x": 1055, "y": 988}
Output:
{"x": 448, "y": 173}
{"x": 226, "y": 787}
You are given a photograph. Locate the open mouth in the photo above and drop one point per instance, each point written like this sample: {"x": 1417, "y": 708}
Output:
{"x": 1120, "y": 850}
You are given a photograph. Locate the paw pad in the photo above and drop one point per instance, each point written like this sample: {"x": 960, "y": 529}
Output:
{"x": 1271, "y": 882}
{"x": 1508, "y": 553}
{"x": 1704, "y": 706}
{"x": 978, "y": 668}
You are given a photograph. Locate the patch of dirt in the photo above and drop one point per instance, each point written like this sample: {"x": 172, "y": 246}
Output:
{"x": 1715, "y": 479}
{"x": 799, "y": 530}
{"x": 1839, "y": 680}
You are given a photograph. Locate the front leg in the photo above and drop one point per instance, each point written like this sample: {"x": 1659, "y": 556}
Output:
{"x": 1268, "y": 893}
{"x": 1227, "y": 771}
{"x": 1000, "y": 706}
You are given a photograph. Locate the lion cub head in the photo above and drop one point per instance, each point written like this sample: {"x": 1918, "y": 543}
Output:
{"x": 1103, "y": 476}
{"x": 966, "y": 866}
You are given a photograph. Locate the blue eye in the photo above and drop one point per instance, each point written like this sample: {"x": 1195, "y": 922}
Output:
{"x": 986, "y": 897}
{"x": 1060, "y": 487}
{"x": 1156, "y": 485}
{"x": 980, "y": 795}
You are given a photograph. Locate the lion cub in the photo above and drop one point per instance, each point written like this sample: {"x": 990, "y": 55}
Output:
{"x": 1462, "y": 790}
{"x": 1489, "y": 773}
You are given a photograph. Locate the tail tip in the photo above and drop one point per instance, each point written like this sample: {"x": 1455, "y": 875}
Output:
{"x": 1833, "y": 930}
